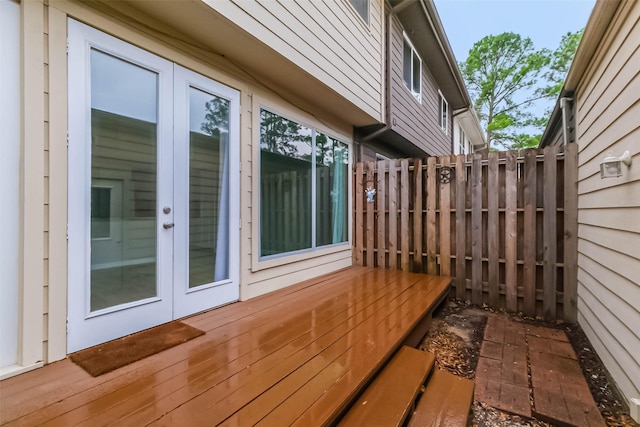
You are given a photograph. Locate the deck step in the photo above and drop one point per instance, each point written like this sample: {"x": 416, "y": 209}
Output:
{"x": 445, "y": 402}
{"x": 388, "y": 400}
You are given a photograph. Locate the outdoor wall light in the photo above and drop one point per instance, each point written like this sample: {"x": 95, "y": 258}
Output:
{"x": 611, "y": 167}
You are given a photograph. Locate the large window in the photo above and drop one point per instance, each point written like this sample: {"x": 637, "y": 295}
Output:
{"x": 412, "y": 69}
{"x": 362, "y": 7}
{"x": 444, "y": 113}
{"x": 303, "y": 187}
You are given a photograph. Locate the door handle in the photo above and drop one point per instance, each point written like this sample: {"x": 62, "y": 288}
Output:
{"x": 168, "y": 225}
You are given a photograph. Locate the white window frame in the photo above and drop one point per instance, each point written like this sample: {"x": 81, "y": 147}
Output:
{"x": 260, "y": 262}
{"x": 414, "y": 54}
{"x": 443, "y": 108}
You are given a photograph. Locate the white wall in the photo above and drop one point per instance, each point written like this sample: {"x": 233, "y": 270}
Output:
{"x": 9, "y": 177}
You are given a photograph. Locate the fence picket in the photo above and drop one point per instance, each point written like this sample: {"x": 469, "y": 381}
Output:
{"x": 359, "y": 212}
{"x": 404, "y": 214}
{"x": 393, "y": 215}
{"x": 493, "y": 238}
{"x": 530, "y": 205}
{"x": 445, "y": 223}
{"x": 417, "y": 216}
{"x": 550, "y": 240}
{"x": 511, "y": 232}
{"x": 382, "y": 213}
{"x": 570, "y": 271}
{"x": 370, "y": 212}
{"x": 476, "y": 230}
{"x": 431, "y": 215}
{"x": 461, "y": 217}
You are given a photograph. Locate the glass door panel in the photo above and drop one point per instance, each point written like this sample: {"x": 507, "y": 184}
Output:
{"x": 124, "y": 105}
{"x": 208, "y": 188}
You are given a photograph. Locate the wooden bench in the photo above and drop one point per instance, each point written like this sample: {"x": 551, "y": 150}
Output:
{"x": 445, "y": 402}
{"x": 388, "y": 401}
{"x": 391, "y": 397}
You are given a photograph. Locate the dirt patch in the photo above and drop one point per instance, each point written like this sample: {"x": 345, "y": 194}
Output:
{"x": 456, "y": 335}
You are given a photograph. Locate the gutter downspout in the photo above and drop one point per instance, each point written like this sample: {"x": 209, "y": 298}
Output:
{"x": 563, "y": 107}
{"x": 394, "y": 10}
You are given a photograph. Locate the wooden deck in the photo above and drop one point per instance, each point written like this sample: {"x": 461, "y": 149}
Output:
{"x": 296, "y": 356}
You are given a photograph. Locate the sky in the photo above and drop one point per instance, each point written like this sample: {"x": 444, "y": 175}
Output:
{"x": 543, "y": 21}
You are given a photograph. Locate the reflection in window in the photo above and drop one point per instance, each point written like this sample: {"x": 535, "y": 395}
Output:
{"x": 412, "y": 69}
{"x": 362, "y": 7}
{"x": 285, "y": 179}
{"x": 208, "y": 188}
{"x": 124, "y": 105}
{"x": 100, "y": 212}
{"x": 290, "y": 180}
{"x": 332, "y": 167}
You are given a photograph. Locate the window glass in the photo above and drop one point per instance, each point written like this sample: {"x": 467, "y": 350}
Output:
{"x": 362, "y": 7}
{"x": 208, "y": 194}
{"x": 124, "y": 105}
{"x": 406, "y": 64}
{"x": 300, "y": 166}
{"x": 411, "y": 69}
{"x": 285, "y": 185}
{"x": 332, "y": 190}
{"x": 444, "y": 113}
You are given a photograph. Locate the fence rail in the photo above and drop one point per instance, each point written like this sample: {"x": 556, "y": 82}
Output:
{"x": 503, "y": 224}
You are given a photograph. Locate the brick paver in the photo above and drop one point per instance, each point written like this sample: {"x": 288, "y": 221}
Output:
{"x": 557, "y": 385}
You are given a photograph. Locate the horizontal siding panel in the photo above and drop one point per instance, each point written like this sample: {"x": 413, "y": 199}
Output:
{"x": 280, "y": 30}
{"x": 625, "y": 42}
{"x": 617, "y": 240}
{"x": 607, "y": 348}
{"x": 610, "y": 277}
{"x": 625, "y": 195}
{"x": 617, "y": 219}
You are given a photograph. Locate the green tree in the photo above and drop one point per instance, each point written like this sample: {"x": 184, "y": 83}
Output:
{"x": 502, "y": 74}
{"x": 561, "y": 60}
{"x": 280, "y": 135}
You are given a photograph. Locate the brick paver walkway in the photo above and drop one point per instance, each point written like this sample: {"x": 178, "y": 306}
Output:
{"x": 556, "y": 391}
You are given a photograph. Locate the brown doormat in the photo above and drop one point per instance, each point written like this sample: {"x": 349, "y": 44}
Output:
{"x": 114, "y": 354}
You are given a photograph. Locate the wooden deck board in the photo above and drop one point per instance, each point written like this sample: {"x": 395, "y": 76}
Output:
{"x": 295, "y": 355}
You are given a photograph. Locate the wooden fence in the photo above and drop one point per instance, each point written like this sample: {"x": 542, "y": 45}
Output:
{"x": 504, "y": 226}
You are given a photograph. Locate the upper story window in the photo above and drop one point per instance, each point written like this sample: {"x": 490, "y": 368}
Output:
{"x": 362, "y": 7}
{"x": 412, "y": 69}
{"x": 444, "y": 113}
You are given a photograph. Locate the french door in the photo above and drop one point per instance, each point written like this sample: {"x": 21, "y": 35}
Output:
{"x": 153, "y": 221}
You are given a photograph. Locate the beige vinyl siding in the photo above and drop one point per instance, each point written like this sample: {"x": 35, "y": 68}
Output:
{"x": 608, "y": 107}
{"x": 416, "y": 121}
{"x": 326, "y": 39}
